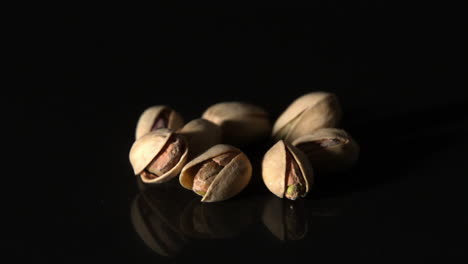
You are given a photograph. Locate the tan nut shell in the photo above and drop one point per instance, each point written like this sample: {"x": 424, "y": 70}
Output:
{"x": 306, "y": 114}
{"x": 230, "y": 181}
{"x": 334, "y": 158}
{"x": 147, "y": 147}
{"x": 146, "y": 120}
{"x": 274, "y": 168}
{"x": 241, "y": 123}
{"x": 201, "y": 134}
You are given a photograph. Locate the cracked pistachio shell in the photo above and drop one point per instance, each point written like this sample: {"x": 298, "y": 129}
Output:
{"x": 274, "y": 168}
{"x": 145, "y": 149}
{"x": 149, "y": 116}
{"x": 241, "y": 123}
{"x": 201, "y": 134}
{"x": 230, "y": 181}
{"x": 329, "y": 159}
{"x": 306, "y": 114}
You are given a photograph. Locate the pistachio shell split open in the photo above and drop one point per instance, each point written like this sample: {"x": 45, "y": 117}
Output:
{"x": 201, "y": 134}
{"x": 307, "y": 114}
{"x": 155, "y": 117}
{"x": 158, "y": 156}
{"x": 286, "y": 171}
{"x": 218, "y": 174}
{"x": 241, "y": 123}
{"x": 329, "y": 150}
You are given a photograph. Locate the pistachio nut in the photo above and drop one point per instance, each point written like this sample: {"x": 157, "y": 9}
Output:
{"x": 241, "y": 123}
{"x": 306, "y": 114}
{"x": 159, "y": 155}
{"x": 285, "y": 219}
{"x": 218, "y": 174}
{"x": 201, "y": 134}
{"x": 329, "y": 150}
{"x": 286, "y": 171}
{"x": 158, "y": 116}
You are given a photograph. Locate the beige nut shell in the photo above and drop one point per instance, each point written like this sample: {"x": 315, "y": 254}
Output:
{"x": 230, "y": 181}
{"x": 241, "y": 123}
{"x": 306, "y": 114}
{"x": 336, "y": 158}
{"x": 274, "y": 168}
{"x": 147, "y": 147}
{"x": 146, "y": 120}
{"x": 201, "y": 134}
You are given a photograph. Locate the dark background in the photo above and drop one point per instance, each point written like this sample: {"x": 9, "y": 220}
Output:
{"x": 81, "y": 80}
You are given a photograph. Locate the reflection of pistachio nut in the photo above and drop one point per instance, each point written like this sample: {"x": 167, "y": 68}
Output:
{"x": 218, "y": 174}
{"x": 307, "y": 114}
{"x": 158, "y": 231}
{"x": 329, "y": 150}
{"x": 201, "y": 134}
{"x": 286, "y": 171}
{"x": 241, "y": 123}
{"x": 217, "y": 220}
{"x": 285, "y": 219}
{"x": 158, "y": 156}
{"x": 155, "y": 117}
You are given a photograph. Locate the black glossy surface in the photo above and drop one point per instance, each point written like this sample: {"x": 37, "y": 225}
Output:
{"x": 86, "y": 79}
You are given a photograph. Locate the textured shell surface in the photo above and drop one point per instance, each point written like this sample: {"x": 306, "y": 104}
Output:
{"x": 231, "y": 180}
{"x": 307, "y": 114}
{"x": 146, "y": 148}
{"x": 147, "y": 118}
{"x": 274, "y": 167}
{"x": 220, "y": 112}
{"x": 329, "y": 159}
{"x": 201, "y": 134}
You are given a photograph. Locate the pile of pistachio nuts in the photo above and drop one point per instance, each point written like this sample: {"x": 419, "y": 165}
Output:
{"x": 205, "y": 156}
